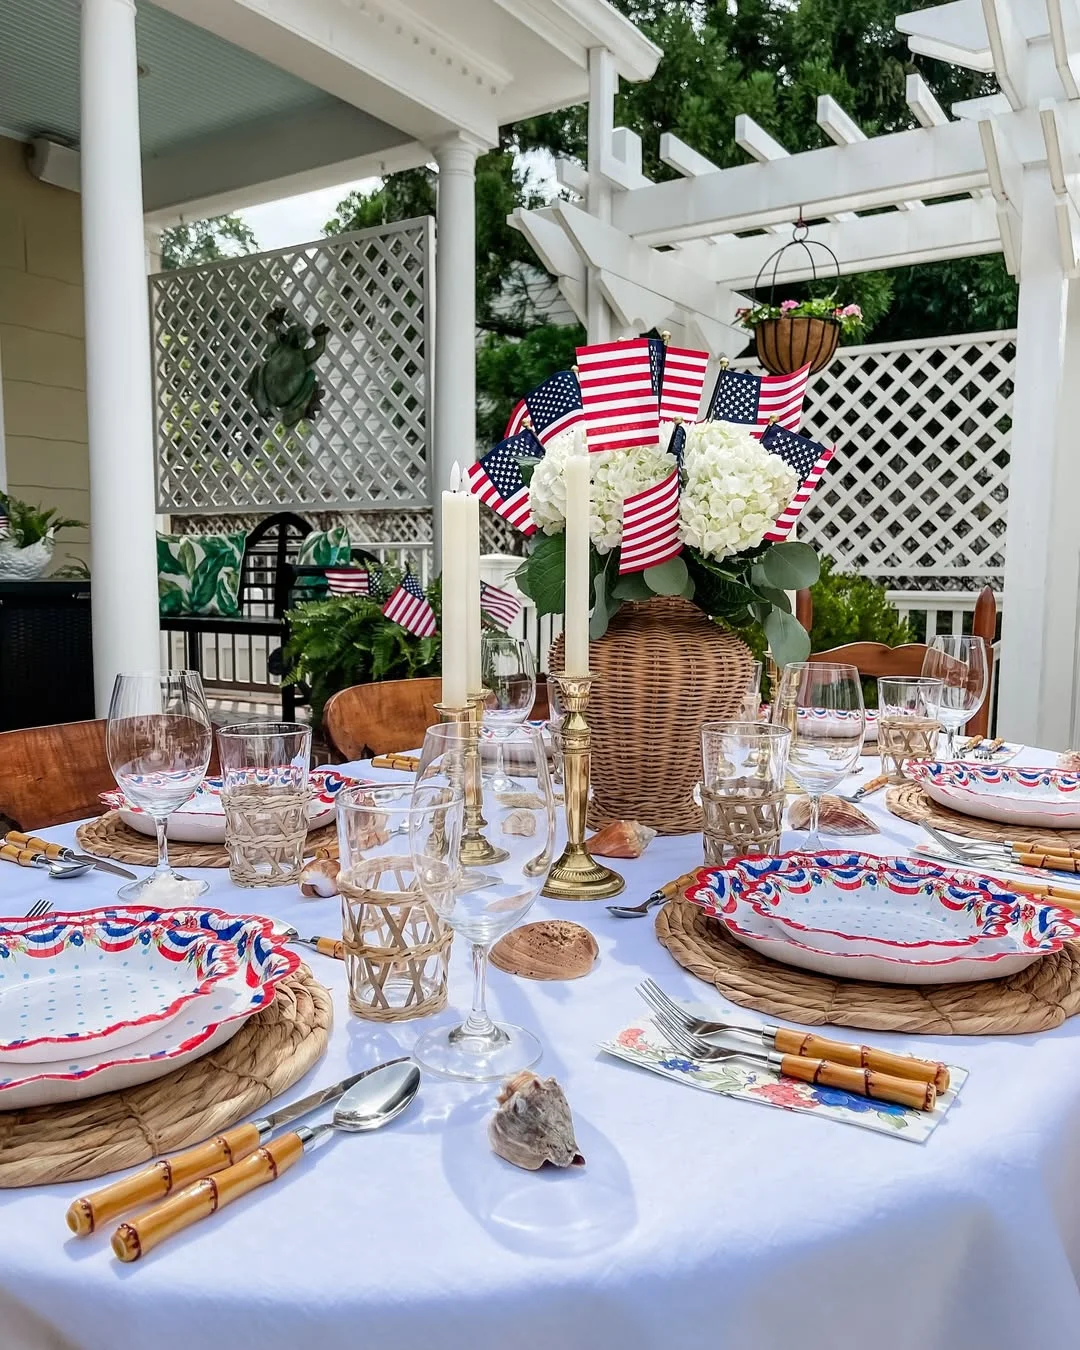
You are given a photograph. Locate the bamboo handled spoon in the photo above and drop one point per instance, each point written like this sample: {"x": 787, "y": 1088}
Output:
{"x": 371, "y": 1103}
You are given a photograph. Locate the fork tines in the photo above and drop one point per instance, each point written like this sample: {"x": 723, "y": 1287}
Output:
{"x": 39, "y": 909}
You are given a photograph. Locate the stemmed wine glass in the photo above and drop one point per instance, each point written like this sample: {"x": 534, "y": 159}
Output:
{"x": 509, "y": 675}
{"x": 822, "y": 704}
{"x": 960, "y": 662}
{"x": 485, "y": 901}
{"x": 158, "y": 740}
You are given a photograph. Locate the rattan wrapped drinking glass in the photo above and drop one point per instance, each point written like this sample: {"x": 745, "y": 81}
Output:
{"x": 908, "y": 726}
{"x": 397, "y": 949}
{"x": 742, "y": 788}
{"x": 265, "y": 796}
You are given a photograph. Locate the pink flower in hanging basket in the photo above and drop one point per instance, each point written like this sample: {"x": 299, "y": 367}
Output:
{"x": 742, "y": 313}
{"x": 851, "y": 312}
{"x": 785, "y": 305}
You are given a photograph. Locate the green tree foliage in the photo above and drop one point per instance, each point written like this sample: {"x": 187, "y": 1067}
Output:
{"x": 201, "y": 241}
{"x": 768, "y": 58}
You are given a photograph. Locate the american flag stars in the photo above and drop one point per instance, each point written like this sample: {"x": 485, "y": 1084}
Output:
{"x": 497, "y": 480}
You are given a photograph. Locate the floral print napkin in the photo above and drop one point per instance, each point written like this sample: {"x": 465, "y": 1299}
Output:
{"x": 643, "y": 1044}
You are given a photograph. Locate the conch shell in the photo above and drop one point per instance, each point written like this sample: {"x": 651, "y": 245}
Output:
{"x": 533, "y": 1124}
{"x": 837, "y": 817}
{"x": 621, "y": 839}
{"x": 319, "y": 877}
{"x": 520, "y": 822}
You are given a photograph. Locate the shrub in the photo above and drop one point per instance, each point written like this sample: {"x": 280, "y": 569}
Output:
{"x": 852, "y": 608}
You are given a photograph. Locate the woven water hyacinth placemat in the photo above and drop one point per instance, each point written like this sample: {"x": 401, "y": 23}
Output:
{"x": 910, "y": 802}
{"x": 1036, "y": 999}
{"x": 72, "y": 1141}
{"x": 109, "y": 837}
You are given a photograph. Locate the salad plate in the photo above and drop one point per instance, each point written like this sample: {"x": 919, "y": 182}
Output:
{"x": 1042, "y": 798}
{"x": 206, "y": 1022}
{"x": 897, "y": 920}
{"x": 94, "y": 982}
{"x": 201, "y": 819}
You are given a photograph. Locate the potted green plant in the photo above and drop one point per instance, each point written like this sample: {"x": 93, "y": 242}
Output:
{"x": 27, "y": 537}
{"x": 796, "y": 332}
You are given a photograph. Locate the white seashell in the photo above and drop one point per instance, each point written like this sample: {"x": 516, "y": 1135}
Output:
{"x": 319, "y": 877}
{"x": 533, "y": 1124}
{"x": 520, "y": 822}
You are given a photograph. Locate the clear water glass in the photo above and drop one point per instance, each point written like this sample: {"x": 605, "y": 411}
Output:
{"x": 962, "y": 664}
{"x": 822, "y": 705}
{"x": 486, "y": 900}
{"x": 509, "y": 674}
{"x": 265, "y": 770}
{"x": 158, "y": 740}
{"x": 908, "y": 723}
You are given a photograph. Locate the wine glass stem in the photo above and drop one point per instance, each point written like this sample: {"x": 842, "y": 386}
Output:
{"x": 813, "y": 839}
{"x": 161, "y": 827}
{"x": 950, "y": 741}
{"x": 478, "y": 1023}
{"x": 500, "y": 772}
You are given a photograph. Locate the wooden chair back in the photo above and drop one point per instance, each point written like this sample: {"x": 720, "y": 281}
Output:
{"x": 270, "y": 549}
{"x": 875, "y": 658}
{"x": 51, "y": 775}
{"x": 390, "y": 716}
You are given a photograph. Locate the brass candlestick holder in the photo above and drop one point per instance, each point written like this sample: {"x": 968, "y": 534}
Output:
{"x": 476, "y": 848}
{"x": 576, "y": 875}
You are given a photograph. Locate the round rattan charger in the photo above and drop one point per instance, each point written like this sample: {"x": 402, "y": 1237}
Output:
{"x": 72, "y": 1141}
{"x": 109, "y": 837}
{"x": 910, "y": 802}
{"x": 1036, "y": 999}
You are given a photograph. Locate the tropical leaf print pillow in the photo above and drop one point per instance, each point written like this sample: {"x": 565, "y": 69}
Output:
{"x": 200, "y": 574}
{"x": 325, "y": 548}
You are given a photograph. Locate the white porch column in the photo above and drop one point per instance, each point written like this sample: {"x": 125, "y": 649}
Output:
{"x": 603, "y": 81}
{"x": 1040, "y": 657}
{"x": 455, "y": 317}
{"x": 118, "y": 391}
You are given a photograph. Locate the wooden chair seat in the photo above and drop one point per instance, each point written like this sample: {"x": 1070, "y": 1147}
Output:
{"x": 873, "y": 659}
{"x": 392, "y": 715}
{"x": 52, "y": 775}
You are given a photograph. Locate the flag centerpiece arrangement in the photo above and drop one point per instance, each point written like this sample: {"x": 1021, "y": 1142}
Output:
{"x": 702, "y": 509}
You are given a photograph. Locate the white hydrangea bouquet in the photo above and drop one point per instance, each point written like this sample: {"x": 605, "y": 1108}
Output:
{"x": 733, "y": 491}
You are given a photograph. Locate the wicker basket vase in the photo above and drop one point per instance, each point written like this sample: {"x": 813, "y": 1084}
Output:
{"x": 664, "y": 668}
{"x": 786, "y": 345}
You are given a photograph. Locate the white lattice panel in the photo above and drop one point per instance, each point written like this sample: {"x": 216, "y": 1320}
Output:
{"x": 367, "y": 447}
{"x": 919, "y": 490}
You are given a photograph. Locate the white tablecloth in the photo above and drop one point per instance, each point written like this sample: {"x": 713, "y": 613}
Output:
{"x": 697, "y": 1222}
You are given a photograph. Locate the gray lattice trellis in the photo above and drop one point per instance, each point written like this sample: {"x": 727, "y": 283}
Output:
{"x": 367, "y": 448}
{"x": 920, "y": 487}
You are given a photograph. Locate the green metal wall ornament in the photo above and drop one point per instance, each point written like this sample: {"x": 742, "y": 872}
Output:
{"x": 283, "y": 384}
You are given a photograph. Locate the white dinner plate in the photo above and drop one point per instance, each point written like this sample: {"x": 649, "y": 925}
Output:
{"x": 205, "y": 1023}
{"x": 898, "y": 920}
{"x": 1043, "y": 798}
{"x": 201, "y": 819}
{"x": 93, "y": 982}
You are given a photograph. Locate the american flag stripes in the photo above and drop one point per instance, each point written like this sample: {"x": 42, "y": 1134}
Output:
{"x": 616, "y": 391}
{"x": 348, "y": 581}
{"x": 501, "y": 606}
{"x": 651, "y": 526}
{"x": 496, "y": 479}
{"x": 809, "y": 459}
{"x": 755, "y": 400}
{"x": 517, "y": 419}
{"x": 5, "y": 524}
{"x": 683, "y": 381}
{"x": 555, "y": 405}
{"x": 408, "y": 606}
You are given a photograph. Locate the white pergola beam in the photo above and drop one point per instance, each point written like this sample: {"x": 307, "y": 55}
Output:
{"x": 1064, "y": 21}
{"x": 927, "y": 111}
{"x": 1008, "y": 216}
{"x": 1008, "y": 48}
{"x": 756, "y": 141}
{"x": 683, "y": 158}
{"x": 938, "y": 161}
{"x": 842, "y": 129}
{"x": 954, "y": 32}
{"x": 550, "y": 242}
{"x": 570, "y": 174}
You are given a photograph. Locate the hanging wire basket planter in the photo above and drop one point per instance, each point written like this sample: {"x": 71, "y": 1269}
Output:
{"x": 788, "y": 343}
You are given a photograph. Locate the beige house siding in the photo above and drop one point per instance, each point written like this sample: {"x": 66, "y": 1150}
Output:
{"x": 42, "y": 355}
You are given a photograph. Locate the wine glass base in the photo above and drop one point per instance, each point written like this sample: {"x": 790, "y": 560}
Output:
{"x": 473, "y": 1059}
{"x": 135, "y": 890}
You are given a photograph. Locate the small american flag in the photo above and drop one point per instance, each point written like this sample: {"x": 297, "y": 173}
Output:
{"x": 501, "y": 606}
{"x": 555, "y": 405}
{"x": 5, "y": 524}
{"x": 651, "y": 526}
{"x": 616, "y": 388}
{"x": 684, "y": 379}
{"x": 496, "y": 479}
{"x": 348, "y": 581}
{"x": 517, "y": 419}
{"x": 754, "y": 400}
{"x": 677, "y": 444}
{"x": 656, "y": 365}
{"x": 809, "y": 459}
{"x": 408, "y": 606}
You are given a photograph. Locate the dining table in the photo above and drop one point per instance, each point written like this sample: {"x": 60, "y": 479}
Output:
{"x": 699, "y": 1222}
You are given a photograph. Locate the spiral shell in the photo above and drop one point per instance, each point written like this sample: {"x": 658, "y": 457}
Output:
{"x": 533, "y": 1125}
